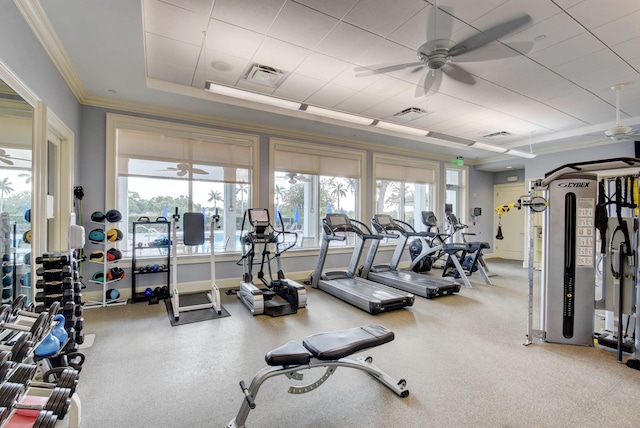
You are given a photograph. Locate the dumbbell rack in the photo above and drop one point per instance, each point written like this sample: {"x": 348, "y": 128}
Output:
{"x": 30, "y": 396}
{"x": 105, "y": 265}
{"x": 58, "y": 281}
{"x": 142, "y": 246}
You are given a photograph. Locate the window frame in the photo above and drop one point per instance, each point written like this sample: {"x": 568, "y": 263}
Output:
{"x": 311, "y": 148}
{"x": 118, "y": 121}
{"x": 401, "y": 162}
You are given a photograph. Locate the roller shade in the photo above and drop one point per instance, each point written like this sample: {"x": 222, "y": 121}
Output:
{"x": 146, "y": 154}
{"x": 409, "y": 174}
{"x": 316, "y": 164}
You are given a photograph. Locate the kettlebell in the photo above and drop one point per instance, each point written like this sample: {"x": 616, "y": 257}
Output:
{"x": 49, "y": 346}
{"x": 59, "y": 331}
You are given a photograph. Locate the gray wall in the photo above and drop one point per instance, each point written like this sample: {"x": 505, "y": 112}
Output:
{"x": 501, "y": 177}
{"x": 23, "y": 53}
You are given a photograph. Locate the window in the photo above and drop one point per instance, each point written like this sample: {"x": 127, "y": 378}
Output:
{"x": 405, "y": 188}
{"x": 455, "y": 192}
{"x": 311, "y": 182}
{"x": 161, "y": 166}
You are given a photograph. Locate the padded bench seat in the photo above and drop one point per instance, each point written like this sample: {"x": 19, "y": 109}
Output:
{"x": 329, "y": 346}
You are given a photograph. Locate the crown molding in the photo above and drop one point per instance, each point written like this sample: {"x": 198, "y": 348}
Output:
{"x": 44, "y": 32}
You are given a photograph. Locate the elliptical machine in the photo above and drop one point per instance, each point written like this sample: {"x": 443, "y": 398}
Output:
{"x": 278, "y": 296}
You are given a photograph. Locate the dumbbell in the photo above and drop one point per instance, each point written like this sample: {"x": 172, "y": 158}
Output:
{"x": 44, "y": 419}
{"x": 36, "y": 329}
{"x": 61, "y": 377}
{"x": 28, "y": 317}
{"x": 52, "y": 258}
{"x": 14, "y": 395}
{"x": 20, "y": 347}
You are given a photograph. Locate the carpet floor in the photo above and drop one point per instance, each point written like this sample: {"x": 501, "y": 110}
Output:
{"x": 462, "y": 357}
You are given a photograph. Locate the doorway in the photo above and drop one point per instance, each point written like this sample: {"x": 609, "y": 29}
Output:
{"x": 512, "y": 246}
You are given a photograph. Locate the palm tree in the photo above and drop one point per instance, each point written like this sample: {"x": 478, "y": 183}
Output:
{"x": 338, "y": 190}
{"x": 215, "y": 197}
{"x": 242, "y": 189}
{"x": 281, "y": 194}
{"x": 5, "y": 189}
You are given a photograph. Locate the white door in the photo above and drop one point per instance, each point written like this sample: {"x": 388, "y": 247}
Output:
{"x": 512, "y": 246}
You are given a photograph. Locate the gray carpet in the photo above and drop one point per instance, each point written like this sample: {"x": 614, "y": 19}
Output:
{"x": 462, "y": 357}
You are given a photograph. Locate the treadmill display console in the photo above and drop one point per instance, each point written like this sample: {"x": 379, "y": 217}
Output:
{"x": 337, "y": 220}
{"x": 383, "y": 219}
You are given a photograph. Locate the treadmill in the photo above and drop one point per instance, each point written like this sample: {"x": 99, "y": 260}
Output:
{"x": 345, "y": 285}
{"x": 389, "y": 274}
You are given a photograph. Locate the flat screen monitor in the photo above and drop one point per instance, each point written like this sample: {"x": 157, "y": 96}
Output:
{"x": 383, "y": 219}
{"x": 259, "y": 216}
{"x": 337, "y": 220}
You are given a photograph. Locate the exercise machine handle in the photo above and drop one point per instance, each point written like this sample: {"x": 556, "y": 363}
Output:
{"x": 247, "y": 395}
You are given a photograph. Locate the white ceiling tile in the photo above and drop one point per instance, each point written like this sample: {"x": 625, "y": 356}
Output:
{"x": 620, "y": 30}
{"x": 594, "y": 13}
{"x": 232, "y": 40}
{"x": 170, "y": 50}
{"x": 198, "y": 6}
{"x": 584, "y": 106}
{"x": 385, "y": 110}
{"x": 174, "y": 22}
{"x": 387, "y": 87}
{"x": 336, "y": 8}
{"x": 330, "y": 95}
{"x": 281, "y": 55}
{"x": 322, "y": 67}
{"x": 566, "y": 4}
{"x": 556, "y": 29}
{"x": 386, "y": 52}
{"x": 301, "y": 25}
{"x": 349, "y": 79}
{"x": 628, "y": 49}
{"x": 470, "y": 10}
{"x": 346, "y": 42}
{"x": 376, "y": 15}
{"x": 170, "y": 72}
{"x": 569, "y": 50}
{"x": 298, "y": 88}
{"x": 538, "y": 11}
{"x": 227, "y": 77}
{"x": 359, "y": 102}
{"x": 255, "y": 15}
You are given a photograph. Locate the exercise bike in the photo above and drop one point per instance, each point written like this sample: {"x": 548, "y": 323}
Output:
{"x": 278, "y": 295}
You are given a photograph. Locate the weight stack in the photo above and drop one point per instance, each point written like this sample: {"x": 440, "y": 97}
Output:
{"x": 569, "y": 269}
{"x": 58, "y": 281}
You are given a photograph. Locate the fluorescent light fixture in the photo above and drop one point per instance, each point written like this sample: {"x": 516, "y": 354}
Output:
{"x": 488, "y": 147}
{"x": 250, "y": 96}
{"x": 521, "y": 154}
{"x": 339, "y": 115}
{"x": 401, "y": 128}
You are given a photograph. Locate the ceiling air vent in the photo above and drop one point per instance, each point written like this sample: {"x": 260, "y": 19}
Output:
{"x": 264, "y": 75}
{"x": 497, "y": 134}
{"x": 411, "y": 113}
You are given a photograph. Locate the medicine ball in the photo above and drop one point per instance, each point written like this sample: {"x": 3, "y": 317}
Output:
{"x": 114, "y": 235}
{"x": 155, "y": 268}
{"x": 6, "y": 281}
{"x": 113, "y": 216}
{"x": 98, "y": 217}
{"x": 115, "y": 273}
{"x": 27, "y": 215}
{"x": 114, "y": 254}
{"x": 98, "y": 277}
{"x": 26, "y": 237}
{"x": 96, "y": 256}
{"x": 25, "y": 279}
{"x": 112, "y": 294}
{"x": 96, "y": 235}
{"x": 148, "y": 292}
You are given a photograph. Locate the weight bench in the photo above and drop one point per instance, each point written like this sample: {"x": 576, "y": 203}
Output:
{"x": 320, "y": 350}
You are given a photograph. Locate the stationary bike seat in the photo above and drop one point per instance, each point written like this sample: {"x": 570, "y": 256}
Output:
{"x": 338, "y": 344}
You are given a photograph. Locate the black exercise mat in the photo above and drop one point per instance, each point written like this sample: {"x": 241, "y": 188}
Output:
{"x": 190, "y": 317}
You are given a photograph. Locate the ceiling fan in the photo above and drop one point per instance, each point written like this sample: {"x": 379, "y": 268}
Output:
{"x": 293, "y": 177}
{"x": 184, "y": 168}
{"x": 620, "y": 132}
{"x": 7, "y": 159}
{"x": 439, "y": 50}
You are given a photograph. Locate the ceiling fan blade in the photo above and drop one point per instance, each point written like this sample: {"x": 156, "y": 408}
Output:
{"x": 384, "y": 68}
{"x": 5, "y": 160}
{"x": 199, "y": 171}
{"x": 458, "y": 73}
{"x": 488, "y": 36}
{"x": 182, "y": 173}
{"x": 429, "y": 84}
{"x": 439, "y": 22}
